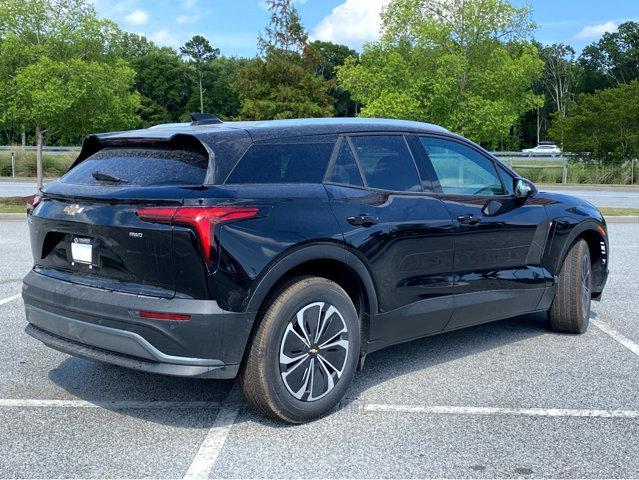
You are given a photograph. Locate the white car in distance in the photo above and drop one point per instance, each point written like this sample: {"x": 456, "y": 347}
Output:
{"x": 548, "y": 148}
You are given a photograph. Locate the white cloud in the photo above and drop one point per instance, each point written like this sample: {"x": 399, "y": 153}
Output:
{"x": 165, "y": 38}
{"x": 593, "y": 32}
{"x": 137, "y": 17}
{"x": 352, "y": 23}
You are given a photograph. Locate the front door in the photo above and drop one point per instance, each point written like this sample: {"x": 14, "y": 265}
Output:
{"x": 499, "y": 238}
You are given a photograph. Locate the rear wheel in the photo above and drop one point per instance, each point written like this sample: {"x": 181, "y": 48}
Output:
{"x": 570, "y": 308}
{"x": 304, "y": 354}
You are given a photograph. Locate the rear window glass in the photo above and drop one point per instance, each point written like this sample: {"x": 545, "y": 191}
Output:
{"x": 387, "y": 163}
{"x": 291, "y": 162}
{"x": 140, "y": 166}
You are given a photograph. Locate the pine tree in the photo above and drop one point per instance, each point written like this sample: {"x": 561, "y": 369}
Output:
{"x": 285, "y": 31}
{"x": 283, "y": 82}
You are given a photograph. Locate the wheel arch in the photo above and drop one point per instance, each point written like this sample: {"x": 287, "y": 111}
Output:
{"x": 596, "y": 237}
{"x": 328, "y": 260}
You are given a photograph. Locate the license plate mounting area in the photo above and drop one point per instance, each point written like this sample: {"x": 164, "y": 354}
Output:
{"x": 82, "y": 251}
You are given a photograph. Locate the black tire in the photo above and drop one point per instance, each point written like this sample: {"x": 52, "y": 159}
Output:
{"x": 270, "y": 380}
{"x": 570, "y": 309}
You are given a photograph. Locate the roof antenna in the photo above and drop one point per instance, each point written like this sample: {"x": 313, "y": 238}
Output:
{"x": 204, "y": 119}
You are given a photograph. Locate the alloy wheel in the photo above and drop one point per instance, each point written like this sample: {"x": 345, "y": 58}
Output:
{"x": 314, "y": 351}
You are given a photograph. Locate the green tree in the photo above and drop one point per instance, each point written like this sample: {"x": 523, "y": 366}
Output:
{"x": 73, "y": 98}
{"x": 164, "y": 81}
{"x": 613, "y": 60}
{"x": 282, "y": 86}
{"x": 133, "y": 45}
{"x": 59, "y": 29}
{"x": 38, "y": 91}
{"x": 603, "y": 125}
{"x": 283, "y": 83}
{"x": 464, "y": 64}
{"x": 326, "y": 56}
{"x": 200, "y": 52}
{"x": 560, "y": 75}
{"x": 220, "y": 86}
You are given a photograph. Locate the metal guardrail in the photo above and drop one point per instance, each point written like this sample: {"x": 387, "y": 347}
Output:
{"x": 47, "y": 150}
{"x": 514, "y": 159}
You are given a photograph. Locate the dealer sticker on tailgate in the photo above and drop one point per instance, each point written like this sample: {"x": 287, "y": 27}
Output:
{"x": 82, "y": 250}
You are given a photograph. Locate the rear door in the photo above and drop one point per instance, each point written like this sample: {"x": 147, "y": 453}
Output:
{"x": 87, "y": 229}
{"x": 499, "y": 238}
{"x": 404, "y": 235}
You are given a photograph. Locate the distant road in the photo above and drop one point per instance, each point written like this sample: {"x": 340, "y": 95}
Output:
{"x": 615, "y": 197}
{"x": 611, "y": 197}
{"x": 17, "y": 188}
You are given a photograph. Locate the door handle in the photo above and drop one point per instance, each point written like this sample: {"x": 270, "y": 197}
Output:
{"x": 468, "y": 219}
{"x": 362, "y": 220}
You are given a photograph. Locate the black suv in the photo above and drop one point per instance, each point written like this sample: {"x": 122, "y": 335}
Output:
{"x": 285, "y": 251}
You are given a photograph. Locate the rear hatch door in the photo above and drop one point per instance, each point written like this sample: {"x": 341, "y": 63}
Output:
{"x": 86, "y": 229}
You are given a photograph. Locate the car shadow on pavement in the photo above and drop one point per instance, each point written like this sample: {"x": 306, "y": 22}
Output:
{"x": 426, "y": 353}
{"x": 102, "y": 383}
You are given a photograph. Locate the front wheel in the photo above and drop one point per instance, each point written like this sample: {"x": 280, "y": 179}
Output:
{"x": 304, "y": 354}
{"x": 570, "y": 308}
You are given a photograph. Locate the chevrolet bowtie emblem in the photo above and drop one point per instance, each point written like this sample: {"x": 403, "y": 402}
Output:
{"x": 73, "y": 209}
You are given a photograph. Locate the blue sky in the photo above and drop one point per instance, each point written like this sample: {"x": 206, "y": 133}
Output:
{"x": 233, "y": 25}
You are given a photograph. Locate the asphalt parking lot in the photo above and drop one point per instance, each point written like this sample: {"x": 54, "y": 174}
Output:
{"x": 508, "y": 399}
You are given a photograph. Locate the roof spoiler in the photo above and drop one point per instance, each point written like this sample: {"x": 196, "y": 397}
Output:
{"x": 95, "y": 143}
{"x": 204, "y": 119}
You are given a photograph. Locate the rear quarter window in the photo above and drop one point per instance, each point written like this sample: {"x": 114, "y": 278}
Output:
{"x": 301, "y": 160}
{"x": 141, "y": 167}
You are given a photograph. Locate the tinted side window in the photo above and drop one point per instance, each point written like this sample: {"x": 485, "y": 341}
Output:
{"x": 345, "y": 169}
{"x": 292, "y": 162}
{"x": 460, "y": 169}
{"x": 387, "y": 162}
{"x": 140, "y": 166}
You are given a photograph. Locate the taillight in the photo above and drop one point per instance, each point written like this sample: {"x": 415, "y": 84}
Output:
{"x": 202, "y": 219}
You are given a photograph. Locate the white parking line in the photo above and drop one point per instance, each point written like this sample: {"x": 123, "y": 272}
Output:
{"x": 115, "y": 405}
{"x": 615, "y": 335}
{"x": 527, "y": 412}
{"x": 10, "y": 299}
{"x": 213, "y": 443}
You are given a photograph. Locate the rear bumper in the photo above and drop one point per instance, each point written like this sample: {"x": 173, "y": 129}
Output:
{"x": 83, "y": 350}
{"x": 103, "y": 325}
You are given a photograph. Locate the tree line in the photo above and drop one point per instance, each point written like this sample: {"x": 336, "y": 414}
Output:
{"x": 472, "y": 66}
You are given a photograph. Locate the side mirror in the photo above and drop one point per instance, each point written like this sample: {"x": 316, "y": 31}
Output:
{"x": 524, "y": 188}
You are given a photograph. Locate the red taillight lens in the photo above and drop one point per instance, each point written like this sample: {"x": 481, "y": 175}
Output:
{"x": 165, "y": 316}
{"x": 203, "y": 219}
